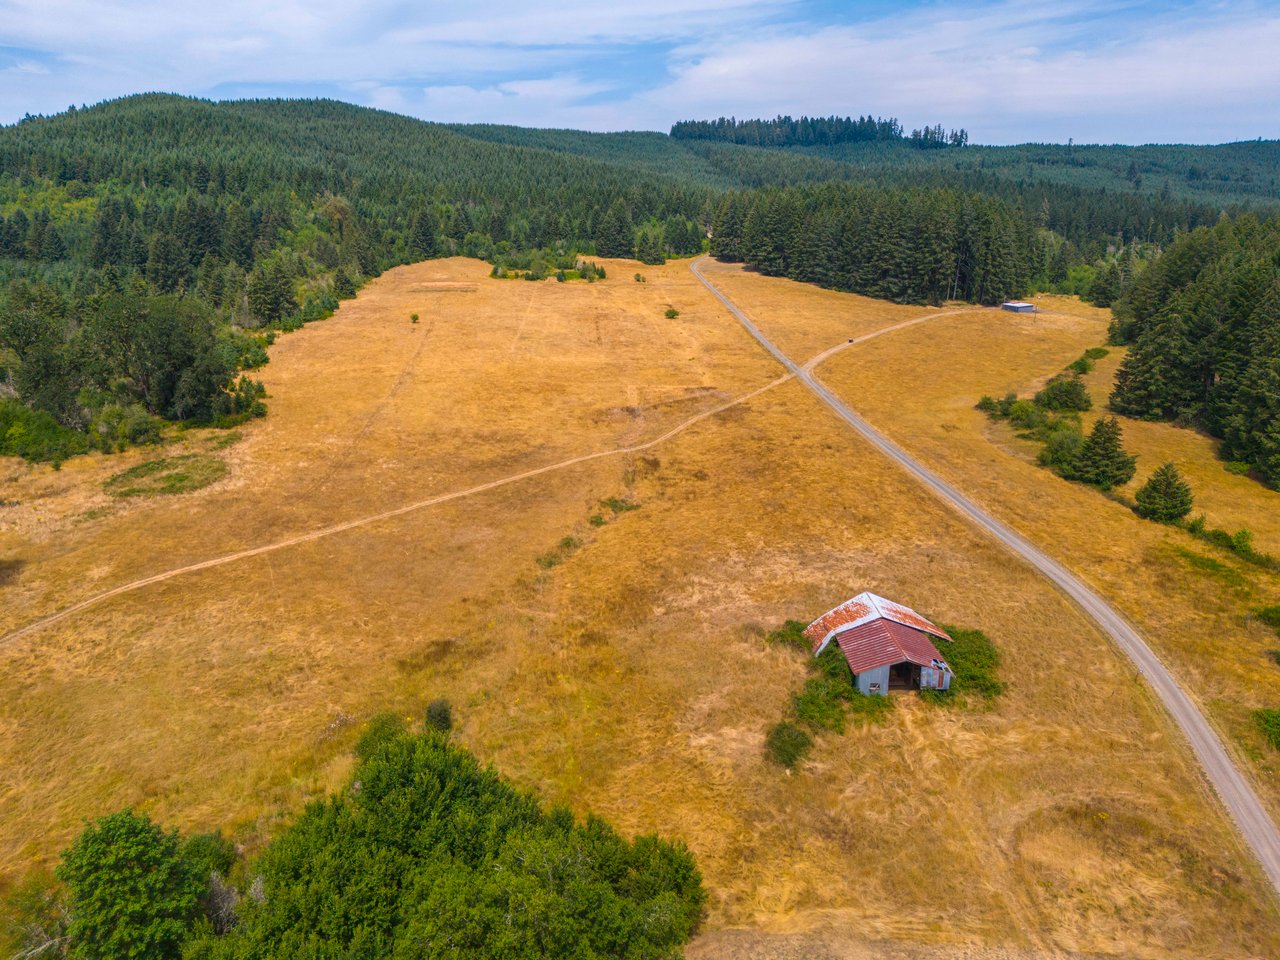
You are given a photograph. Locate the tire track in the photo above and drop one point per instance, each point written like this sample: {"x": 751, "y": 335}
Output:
{"x": 337, "y": 528}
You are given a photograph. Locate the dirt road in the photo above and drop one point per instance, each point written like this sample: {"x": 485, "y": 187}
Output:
{"x": 1237, "y": 795}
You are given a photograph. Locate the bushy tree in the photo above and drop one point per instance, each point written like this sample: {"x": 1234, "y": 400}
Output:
{"x": 131, "y": 892}
{"x": 1165, "y": 497}
{"x": 1064, "y": 393}
{"x": 429, "y": 854}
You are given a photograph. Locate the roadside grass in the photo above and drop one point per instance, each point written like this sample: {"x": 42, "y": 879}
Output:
{"x": 168, "y": 475}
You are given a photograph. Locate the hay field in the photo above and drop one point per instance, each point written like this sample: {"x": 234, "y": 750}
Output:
{"x": 628, "y": 677}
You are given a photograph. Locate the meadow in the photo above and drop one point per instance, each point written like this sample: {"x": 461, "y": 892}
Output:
{"x": 614, "y": 659}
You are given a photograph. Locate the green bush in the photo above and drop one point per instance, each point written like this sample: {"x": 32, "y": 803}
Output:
{"x": 1270, "y": 616}
{"x": 787, "y": 745}
{"x": 820, "y": 704}
{"x": 1062, "y": 447}
{"x": 35, "y": 435}
{"x": 973, "y": 659}
{"x": 1025, "y": 415}
{"x": 1268, "y": 723}
{"x": 1096, "y": 353}
{"x": 440, "y": 716}
{"x": 1064, "y": 393}
{"x": 790, "y": 634}
{"x": 671, "y": 313}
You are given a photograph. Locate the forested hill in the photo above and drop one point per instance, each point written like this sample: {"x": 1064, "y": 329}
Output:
{"x": 1241, "y": 174}
{"x": 149, "y": 245}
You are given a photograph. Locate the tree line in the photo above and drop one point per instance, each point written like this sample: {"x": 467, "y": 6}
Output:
{"x": 784, "y": 131}
{"x": 910, "y": 246}
{"x": 1203, "y": 325}
{"x": 425, "y": 853}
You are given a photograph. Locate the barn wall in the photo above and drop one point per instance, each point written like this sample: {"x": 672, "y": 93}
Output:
{"x": 879, "y": 675}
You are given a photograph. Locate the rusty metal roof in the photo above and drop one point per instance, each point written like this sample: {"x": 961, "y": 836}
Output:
{"x": 882, "y": 643}
{"x": 864, "y": 608}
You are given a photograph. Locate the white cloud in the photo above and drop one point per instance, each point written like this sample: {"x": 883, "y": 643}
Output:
{"x": 1007, "y": 71}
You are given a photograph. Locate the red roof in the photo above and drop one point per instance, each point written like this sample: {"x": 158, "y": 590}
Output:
{"x": 865, "y": 608}
{"x": 882, "y": 643}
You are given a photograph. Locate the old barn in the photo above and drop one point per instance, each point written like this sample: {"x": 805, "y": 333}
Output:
{"x": 888, "y": 646}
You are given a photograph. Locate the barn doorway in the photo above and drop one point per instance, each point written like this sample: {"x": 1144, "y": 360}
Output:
{"x": 904, "y": 676}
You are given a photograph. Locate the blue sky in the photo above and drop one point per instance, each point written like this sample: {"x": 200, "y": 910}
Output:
{"x": 1008, "y": 72}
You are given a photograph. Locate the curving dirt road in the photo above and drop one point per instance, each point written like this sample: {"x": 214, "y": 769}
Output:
{"x": 1234, "y": 790}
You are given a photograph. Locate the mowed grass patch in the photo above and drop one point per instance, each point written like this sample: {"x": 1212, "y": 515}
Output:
{"x": 168, "y": 475}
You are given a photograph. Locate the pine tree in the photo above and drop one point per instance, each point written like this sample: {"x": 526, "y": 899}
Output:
{"x": 424, "y": 240}
{"x": 615, "y": 237}
{"x": 1165, "y": 497}
{"x": 1102, "y": 461}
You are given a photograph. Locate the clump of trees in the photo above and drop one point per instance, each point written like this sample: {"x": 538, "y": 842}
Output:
{"x": 425, "y": 853}
{"x": 909, "y": 246}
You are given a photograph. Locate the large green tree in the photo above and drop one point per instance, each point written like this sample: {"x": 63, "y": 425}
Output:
{"x": 1103, "y": 461}
{"x": 132, "y": 895}
{"x": 1165, "y": 497}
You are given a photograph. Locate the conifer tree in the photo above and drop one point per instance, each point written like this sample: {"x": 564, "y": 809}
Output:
{"x": 1103, "y": 461}
{"x": 1165, "y": 497}
{"x": 615, "y": 237}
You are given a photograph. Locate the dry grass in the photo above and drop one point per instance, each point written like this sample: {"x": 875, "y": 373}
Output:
{"x": 631, "y": 678}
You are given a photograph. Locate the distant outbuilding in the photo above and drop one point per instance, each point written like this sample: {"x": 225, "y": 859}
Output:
{"x": 1018, "y": 306}
{"x": 887, "y": 646}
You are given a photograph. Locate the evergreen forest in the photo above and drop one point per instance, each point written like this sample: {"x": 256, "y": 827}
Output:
{"x": 150, "y": 247}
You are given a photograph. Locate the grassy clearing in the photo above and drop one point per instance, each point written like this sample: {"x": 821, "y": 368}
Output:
{"x": 168, "y": 475}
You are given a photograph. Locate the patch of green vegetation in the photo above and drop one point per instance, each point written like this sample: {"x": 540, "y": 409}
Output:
{"x": 423, "y": 845}
{"x": 790, "y": 634}
{"x": 1240, "y": 543}
{"x": 228, "y": 439}
{"x": 36, "y": 436}
{"x": 596, "y": 520}
{"x": 973, "y": 659}
{"x": 1270, "y": 616}
{"x": 619, "y": 505}
{"x": 558, "y": 555}
{"x": 786, "y": 744}
{"x": 671, "y": 313}
{"x": 1212, "y": 568}
{"x": 1237, "y": 467}
{"x": 1096, "y": 353}
{"x": 1268, "y": 723}
{"x": 181, "y": 474}
{"x": 870, "y": 708}
{"x": 820, "y": 704}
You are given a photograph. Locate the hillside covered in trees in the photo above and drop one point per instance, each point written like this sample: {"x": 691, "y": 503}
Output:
{"x": 150, "y": 246}
{"x": 1204, "y": 327}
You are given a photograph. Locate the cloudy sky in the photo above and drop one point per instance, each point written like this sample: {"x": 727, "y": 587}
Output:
{"x": 1112, "y": 71}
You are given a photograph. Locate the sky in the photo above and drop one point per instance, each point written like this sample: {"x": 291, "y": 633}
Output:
{"x": 1095, "y": 72}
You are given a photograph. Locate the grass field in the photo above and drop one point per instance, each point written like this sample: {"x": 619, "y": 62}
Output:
{"x": 630, "y": 677}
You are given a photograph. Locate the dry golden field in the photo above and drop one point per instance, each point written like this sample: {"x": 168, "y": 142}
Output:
{"x": 627, "y": 675}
